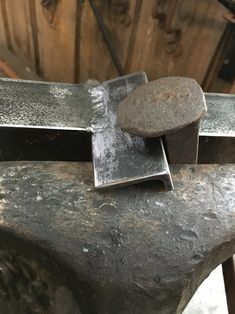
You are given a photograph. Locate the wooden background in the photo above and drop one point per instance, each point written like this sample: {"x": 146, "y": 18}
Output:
{"x": 62, "y": 42}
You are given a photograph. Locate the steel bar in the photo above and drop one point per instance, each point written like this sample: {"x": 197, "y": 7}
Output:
{"x": 219, "y": 120}
{"x": 120, "y": 158}
{"x": 44, "y": 105}
{"x": 70, "y": 107}
{"x": 217, "y": 130}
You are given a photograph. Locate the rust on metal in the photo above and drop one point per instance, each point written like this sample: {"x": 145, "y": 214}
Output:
{"x": 161, "y": 107}
{"x": 171, "y": 106}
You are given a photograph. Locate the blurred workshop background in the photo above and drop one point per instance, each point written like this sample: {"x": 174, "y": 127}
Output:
{"x": 73, "y": 41}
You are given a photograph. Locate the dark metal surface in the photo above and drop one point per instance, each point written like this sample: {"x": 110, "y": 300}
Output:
{"x": 27, "y": 286}
{"x": 229, "y": 4}
{"x": 42, "y": 144}
{"x": 217, "y": 131}
{"x": 229, "y": 281}
{"x": 131, "y": 250}
{"x": 214, "y": 150}
{"x": 182, "y": 145}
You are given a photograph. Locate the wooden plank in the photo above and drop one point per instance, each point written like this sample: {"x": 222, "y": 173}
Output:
{"x": 201, "y": 24}
{"x": 2, "y": 29}
{"x": 148, "y": 53}
{"x": 14, "y": 66}
{"x": 219, "y": 77}
{"x": 95, "y": 58}
{"x": 4, "y": 25}
{"x": 232, "y": 90}
{"x": 202, "y": 36}
{"x": 56, "y": 40}
{"x": 121, "y": 18}
{"x": 20, "y": 31}
{"x": 66, "y": 44}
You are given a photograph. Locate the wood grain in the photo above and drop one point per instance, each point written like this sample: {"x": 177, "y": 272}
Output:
{"x": 148, "y": 52}
{"x": 2, "y": 29}
{"x": 14, "y": 66}
{"x": 65, "y": 43}
{"x": 95, "y": 58}
{"x": 20, "y": 30}
{"x": 202, "y": 33}
{"x": 232, "y": 90}
{"x": 5, "y": 33}
{"x": 56, "y": 40}
{"x": 202, "y": 26}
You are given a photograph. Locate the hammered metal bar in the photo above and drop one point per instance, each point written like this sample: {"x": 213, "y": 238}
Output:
{"x": 120, "y": 158}
{"x": 219, "y": 120}
{"x": 123, "y": 159}
{"x": 44, "y": 105}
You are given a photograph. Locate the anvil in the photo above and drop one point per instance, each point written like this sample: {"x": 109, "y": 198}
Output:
{"x": 72, "y": 244}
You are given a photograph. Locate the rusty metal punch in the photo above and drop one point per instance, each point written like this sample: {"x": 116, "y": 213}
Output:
{"x": 171, "y": 106}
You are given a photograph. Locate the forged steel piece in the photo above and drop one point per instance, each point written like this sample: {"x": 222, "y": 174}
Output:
{"x": 217, "y": 130}
{"x": 44, "y": 105}
{"x": 220, "y": 117}
{"x": 52, "y": 111}
{"x": 119, "y": 159}
{"x": 130, "y": 250}
{"x": 59, "y": 106}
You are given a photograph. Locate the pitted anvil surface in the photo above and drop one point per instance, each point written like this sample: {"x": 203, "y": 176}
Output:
{"x": 131, "y": 250}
